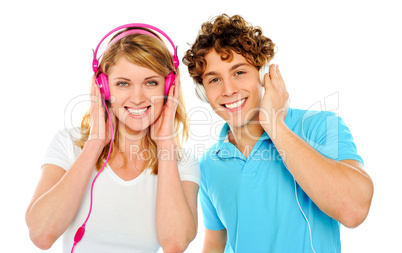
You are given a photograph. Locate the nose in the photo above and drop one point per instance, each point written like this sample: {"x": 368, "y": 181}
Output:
{"x": 137, "y": 95}
{"x": 229, "y": 88}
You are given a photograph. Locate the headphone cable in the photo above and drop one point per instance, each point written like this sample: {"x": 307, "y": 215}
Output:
{"x": 81, "y": 230}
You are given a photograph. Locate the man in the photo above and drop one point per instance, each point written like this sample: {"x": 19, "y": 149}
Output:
{"x": 278, "y": 179}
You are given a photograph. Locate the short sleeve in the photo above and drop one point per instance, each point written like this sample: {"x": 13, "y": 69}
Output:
{"x": 189, "y": 168}
{"x": 61, "y": 150}
{"x": 209, "y": 214}
{"x": 334, "y": 139}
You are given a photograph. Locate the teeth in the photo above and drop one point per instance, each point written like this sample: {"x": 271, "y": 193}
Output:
{"x": 137, "y": 112}
{"x": 234, "y": 105}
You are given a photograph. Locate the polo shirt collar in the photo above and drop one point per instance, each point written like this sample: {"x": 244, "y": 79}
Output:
{"x": 225, "y": 149}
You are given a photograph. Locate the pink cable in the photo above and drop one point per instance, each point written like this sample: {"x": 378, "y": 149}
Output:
{"x": 81, "y": 230}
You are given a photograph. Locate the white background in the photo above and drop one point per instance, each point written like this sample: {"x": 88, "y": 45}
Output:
{"x": 346, "y": 51}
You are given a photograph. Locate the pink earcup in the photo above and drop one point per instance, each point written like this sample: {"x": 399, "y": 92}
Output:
{"x": 169, "y": 81}
{"x": 103, "y": 86}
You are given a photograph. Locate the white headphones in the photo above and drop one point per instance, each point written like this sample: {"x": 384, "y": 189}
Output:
{"x": 202, "y": 94}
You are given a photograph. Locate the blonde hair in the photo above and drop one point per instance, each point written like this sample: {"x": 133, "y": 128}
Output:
{"x": 149, "y": 52}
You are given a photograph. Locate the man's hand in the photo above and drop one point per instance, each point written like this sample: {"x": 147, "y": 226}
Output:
{"x": 275, "y": 102}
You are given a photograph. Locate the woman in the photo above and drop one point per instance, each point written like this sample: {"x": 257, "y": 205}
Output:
{"x": 146, "y": 194}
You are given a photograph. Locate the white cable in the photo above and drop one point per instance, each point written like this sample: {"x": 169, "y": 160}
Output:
{"x": 308, "y": 223}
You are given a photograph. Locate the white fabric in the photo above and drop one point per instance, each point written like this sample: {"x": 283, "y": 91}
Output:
{"x": 123, "y": 212}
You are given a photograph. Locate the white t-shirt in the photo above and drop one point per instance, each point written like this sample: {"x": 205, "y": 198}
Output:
{"x": 123, "y": 212}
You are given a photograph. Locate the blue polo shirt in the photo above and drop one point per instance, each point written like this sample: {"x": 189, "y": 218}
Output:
{"x": 254, "y": 198}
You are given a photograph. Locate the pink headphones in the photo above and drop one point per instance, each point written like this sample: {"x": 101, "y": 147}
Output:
{"x": 104, "y": 89}
{"x": 101, "y": 79}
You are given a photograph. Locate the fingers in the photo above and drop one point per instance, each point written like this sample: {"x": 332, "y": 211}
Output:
{"x": 97, "y": 111}
{"x": 174, "y": 94}
{"x": 111, "y": 125}
{"x": 92, "y": 88}
{"x": 283, "y": 86}
{"x": 174, "y": 87}
{"x": 269, "y": 78}
{"x": 95, "y": 91}
{"x": 275, "y": 78}
{"x": 177, "y": 87}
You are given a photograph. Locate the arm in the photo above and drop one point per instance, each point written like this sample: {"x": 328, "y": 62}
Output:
{"x": 57, "y": 198}
{"x": 59, "y": 193}
{"x": 176, "y": 205}
{"x": 341, "y": 189}
{"x": 176, "y": 201}
{"x": 214, "y": 241}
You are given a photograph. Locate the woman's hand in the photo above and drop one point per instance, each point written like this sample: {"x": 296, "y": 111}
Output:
{"x": 101, "y": 132}
{"x": 162, "y": 130}
{"x": 275, "y": 102}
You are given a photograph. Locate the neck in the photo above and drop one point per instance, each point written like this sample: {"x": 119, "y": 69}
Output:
{"x": 130, "y": 142}
{"x": 129, "y": 156}
{"x": 245, "y": 137}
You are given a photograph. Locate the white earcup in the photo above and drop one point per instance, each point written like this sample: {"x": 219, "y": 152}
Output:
{"x": 264, "y": 70}
{"x": 201, "y": 93}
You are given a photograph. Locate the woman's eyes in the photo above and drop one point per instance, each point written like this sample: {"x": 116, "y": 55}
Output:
{"x": 122, "y": 84}
{"x": 152, "y": 83}
{"x": 149, "y": 83}
{"x": 238, "y": 73}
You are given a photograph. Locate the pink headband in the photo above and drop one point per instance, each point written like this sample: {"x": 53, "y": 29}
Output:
{"x": 95, "y": 62}
{"x": 124, "y": 34}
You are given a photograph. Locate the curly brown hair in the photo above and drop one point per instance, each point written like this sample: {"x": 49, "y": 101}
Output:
{"x": 227, "y": 35}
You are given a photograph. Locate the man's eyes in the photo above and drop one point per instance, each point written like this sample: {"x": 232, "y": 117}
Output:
{"x": 217, "y": 79}
{"x": 214, "y": 80}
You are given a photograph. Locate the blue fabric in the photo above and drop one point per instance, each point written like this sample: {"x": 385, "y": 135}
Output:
{"x": 254, "y": 197}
